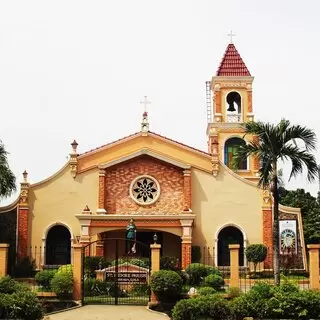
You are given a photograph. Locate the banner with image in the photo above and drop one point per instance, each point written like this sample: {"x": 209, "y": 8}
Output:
{"x": 288, "y": 236}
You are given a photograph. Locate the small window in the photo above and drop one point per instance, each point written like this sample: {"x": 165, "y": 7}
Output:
{"x": 230, "y": 149}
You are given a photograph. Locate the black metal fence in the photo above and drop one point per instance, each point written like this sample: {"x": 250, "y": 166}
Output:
{"x": 250, "y": 274}
{"x": 120, "y": 276}
{"x": 34, "y": 272}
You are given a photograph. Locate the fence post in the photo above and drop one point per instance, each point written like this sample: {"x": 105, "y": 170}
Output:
{"x": 3, "y": 259}
{"x": 234, "y": 265}
{"x": 155, "y": 266}
{"x": 77, "y": 272}
{"x": 314, "y": 265}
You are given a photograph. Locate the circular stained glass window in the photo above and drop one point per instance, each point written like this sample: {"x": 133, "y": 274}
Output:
{"x": 145, "y": 190}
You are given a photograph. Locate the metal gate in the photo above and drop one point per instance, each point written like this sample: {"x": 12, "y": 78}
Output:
{"x": 120, "y": 276}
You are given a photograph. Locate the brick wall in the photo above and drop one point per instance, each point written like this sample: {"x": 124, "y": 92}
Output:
{"x": 119, "y": 177}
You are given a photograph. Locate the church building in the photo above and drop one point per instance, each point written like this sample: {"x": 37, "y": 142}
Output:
{"x": 188, "y": 197}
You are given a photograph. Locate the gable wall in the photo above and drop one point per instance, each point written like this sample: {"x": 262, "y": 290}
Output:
{"x": 223, "y": 200}
{"x": 119, "y": 177}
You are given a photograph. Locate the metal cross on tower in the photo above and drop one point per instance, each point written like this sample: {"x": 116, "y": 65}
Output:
{"x": 231, "y": 35}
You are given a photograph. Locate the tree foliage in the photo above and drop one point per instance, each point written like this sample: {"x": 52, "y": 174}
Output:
{"x": 256, "y": 253}
{"x": 310, "y": 212}
{"x": 7, "y": 178}
{"x": 274, "y": 143}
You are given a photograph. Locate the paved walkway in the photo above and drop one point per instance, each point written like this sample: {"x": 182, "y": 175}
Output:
{"x": 98, "y": 312}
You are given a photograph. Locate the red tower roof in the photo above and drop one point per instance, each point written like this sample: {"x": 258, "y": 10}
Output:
{"x": 232, "y": 63}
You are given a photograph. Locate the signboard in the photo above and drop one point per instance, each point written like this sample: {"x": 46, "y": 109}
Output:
{"x": 288, "y": 236}
{"x": 127, "y": 277}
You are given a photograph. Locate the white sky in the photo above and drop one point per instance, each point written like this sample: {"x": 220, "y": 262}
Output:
{"x": 78, "y": 69}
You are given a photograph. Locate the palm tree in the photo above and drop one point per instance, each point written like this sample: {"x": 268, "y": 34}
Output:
{"x": 7, "y": 178}
{"x": 278, "y": 143}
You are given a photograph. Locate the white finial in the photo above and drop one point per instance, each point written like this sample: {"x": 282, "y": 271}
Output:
{"x": 231, "y": 35}
{"x": 145, "y": 122}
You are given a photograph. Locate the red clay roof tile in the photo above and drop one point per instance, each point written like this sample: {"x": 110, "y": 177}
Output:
{"x": 232, "y": 63}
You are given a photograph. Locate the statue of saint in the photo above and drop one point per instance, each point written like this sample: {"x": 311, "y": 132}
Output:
{"x": 131, "y": 236}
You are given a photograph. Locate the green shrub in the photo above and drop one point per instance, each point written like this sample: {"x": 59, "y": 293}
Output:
{"x": 139, "y": 290}
{"x": 43, "y": 278}
{"x": 256, "y": 253}
{"x": 62, "y": 283}
{"x": 234, "y": 292}
{"x": 212, "y": 307}
{"x": 24, "y": 268}
{"x": 20, "y": 305}
{"x": 213, "y": 280}
{"x": 219, "y": 309}
{"x": 90, "y": 264}
{"x": 195, "y": 254}
{"x": 190, "y": 309}
{"x": 94, "y": 287}
{"x": 169, "y": 263}
{"x": 205, "y": 291}
{"x": 166, "y": 284}
{"x": 8, "y": 285}
{"x": 277, "y": 302}
{"x": 143, "y": 263}
{"x": 196, "y": 272}
{"x": 67, "y": 268}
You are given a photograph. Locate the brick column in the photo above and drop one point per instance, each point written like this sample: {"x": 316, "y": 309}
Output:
{"x": 186, "y": 242}
{"x": 102, "y": 192}
{"x": 314, "y": 265}
{"x": 3, "y": 259}
{"x": 100, "y": 247}
{"x": 234, "y": 265}
{"x": 23, "y": 218}
{"x": 155, "y": 266}
{"x": 267, "y": 227}
{"x": 185, "y": 253}
{"x": 187, "y": 189}
{"x": 77, "y": 272}
{"x": 249, "y": 101}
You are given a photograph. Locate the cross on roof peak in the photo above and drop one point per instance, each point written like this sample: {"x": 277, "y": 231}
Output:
{"x": 231, "y": 35}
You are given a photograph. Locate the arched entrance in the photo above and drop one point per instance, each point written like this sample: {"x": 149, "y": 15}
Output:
{"x": 58, "y": 246}
{"x": 229, "y": 235}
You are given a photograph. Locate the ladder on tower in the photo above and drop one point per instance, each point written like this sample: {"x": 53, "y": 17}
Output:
{"x": 209, "y": 101}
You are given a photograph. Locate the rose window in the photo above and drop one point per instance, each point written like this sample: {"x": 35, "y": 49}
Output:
{"x": 145, "y": 190}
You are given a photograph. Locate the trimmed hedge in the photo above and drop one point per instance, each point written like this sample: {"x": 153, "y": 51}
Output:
{"x": 62, "y": 282}
{"x": 196, "y": 272}
{"x": 43, "y": 278}
{"x": 166, "y": 284}
{"x": 277, "y": 302}
{"x": 212, "y": 306}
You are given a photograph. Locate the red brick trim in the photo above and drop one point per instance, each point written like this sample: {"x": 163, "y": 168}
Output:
{"x": 185, "y": 254}
{"x": 102, "y": 189}
{"x": 187, "y": 189}
{"x": 267, "y": 236}
{"x": 23, "y": 231}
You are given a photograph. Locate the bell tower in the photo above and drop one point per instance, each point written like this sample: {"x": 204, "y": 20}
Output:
{"x": 230, "y": 105}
